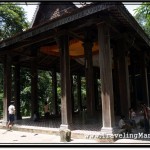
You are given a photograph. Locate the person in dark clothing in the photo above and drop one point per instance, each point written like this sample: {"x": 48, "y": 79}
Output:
{"x": 146, "y": 117}
{"x": 36, "y": 116}
{"x": 132, "y": 115}
{"x": 123, "y": 125}
{"x": 46, "y": 110}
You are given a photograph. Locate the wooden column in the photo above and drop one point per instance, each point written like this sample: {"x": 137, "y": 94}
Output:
{"x": 148, "y": 78}
{"x": 96, "y": 91}
{"x": 72, "y": 94}
{"x": 54, "y": 89}
{"x": 144, "y": 80}
{"x": 89, "y": 75}
{"x": 79, "y": 92}
{"x": 105, "y": 59}
{"x": 7, "y": 87}
{"x": 133, "y": 79}
{"x": 66, "y": 113}
{"x": 117, "y": 99}
{"x": 17, "y": 91}
{"x": 123, "y": 72}
{"x": 34, "y": 84}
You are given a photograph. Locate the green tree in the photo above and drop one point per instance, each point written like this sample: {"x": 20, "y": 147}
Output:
{"x": 142, "y": 15}
{"x": 12, "y": 19}
{"x": 44, "y": 88}
{"x": 25, "y": 91}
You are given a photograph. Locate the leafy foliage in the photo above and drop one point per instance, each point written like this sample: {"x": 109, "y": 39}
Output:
{"x": 12, "y": 19}
{"x": 25, "y": 94}
{"x": 44, "y": 88}
{"x": 142, "y": 15}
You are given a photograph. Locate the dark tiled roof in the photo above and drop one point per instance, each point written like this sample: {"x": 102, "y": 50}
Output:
{"x": 49, "y": 10}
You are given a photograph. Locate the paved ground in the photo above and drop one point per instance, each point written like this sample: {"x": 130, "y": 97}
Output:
{"x": 18, "y": 137}
{"x": 26, "y": 137}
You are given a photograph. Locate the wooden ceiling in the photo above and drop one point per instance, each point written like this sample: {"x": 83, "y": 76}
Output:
{"x": 76, "y": 49}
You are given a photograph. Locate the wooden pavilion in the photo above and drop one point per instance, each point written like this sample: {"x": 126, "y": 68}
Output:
{"x": 99, "y": 41}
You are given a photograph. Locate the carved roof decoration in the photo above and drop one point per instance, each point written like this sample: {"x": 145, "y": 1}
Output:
{"x": 49, "y": 10}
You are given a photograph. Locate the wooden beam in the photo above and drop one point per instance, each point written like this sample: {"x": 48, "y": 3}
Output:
{"x": 75, "y": 35}
{"x": 14, "y": 53}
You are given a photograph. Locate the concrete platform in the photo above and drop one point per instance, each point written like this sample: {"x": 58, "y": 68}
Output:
{"x": 89, "y": 135}
{"x": 81, "y": 130}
